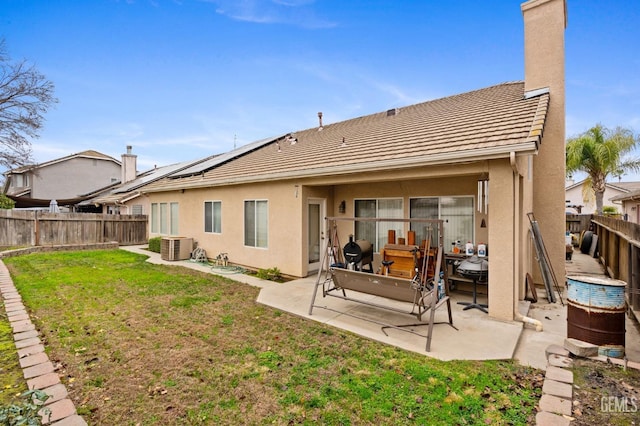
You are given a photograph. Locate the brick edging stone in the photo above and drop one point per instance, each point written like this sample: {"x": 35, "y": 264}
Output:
{"x": 37, "y": 369}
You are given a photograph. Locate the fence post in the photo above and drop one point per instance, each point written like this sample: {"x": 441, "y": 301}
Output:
{"x": 36, "y": 228}
{"x": 633, "y": 288}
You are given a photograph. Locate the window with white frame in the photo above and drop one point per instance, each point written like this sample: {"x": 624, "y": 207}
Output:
{"x": 457, "y": 212}
{"x": 164, "y": 218}
{"x": 213, "y": 217}
{"x": 256, "y": 223}
{"x": 174, "y": 218}
{"x": 154, "y": 218}
{"x": 164, "y": 214}
{"x": 20, "y": 180}
{"x": 424, "y": 208}
{"x": 377, "y": 232}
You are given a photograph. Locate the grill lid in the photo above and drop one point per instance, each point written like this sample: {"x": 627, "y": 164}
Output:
{"x": 473, "y": 266}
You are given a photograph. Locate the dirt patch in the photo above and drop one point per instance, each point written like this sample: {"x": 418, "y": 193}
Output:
{"x": 605, "y": 394}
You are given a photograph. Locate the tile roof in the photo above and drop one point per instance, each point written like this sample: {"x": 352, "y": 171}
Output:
{"x": 627, "y": 196}
{"x": 485, "y": 123}
{"x": 631, "y": 191}
{"x": 624, "y": 187}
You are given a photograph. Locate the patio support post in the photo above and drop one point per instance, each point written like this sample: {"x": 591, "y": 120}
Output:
{"x": 502, "y": 248}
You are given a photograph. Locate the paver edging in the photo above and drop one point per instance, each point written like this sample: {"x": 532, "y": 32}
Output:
{"x": 37, "y": 369}
{"x": 558, "y": 376}
{"x": 556, "y": 409}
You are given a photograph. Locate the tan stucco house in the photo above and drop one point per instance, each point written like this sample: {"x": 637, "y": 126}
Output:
{"x": 264, "y": 204}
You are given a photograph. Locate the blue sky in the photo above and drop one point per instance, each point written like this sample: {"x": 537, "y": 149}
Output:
{"x": 184, "y": 79}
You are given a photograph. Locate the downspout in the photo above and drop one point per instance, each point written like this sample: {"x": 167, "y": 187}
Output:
{"x": 516, "y": 313}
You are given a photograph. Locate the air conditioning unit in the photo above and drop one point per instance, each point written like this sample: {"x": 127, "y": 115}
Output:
{"x": 176, "y": 248}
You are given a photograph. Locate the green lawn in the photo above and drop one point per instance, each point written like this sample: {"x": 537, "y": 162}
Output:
{"x": 12, "y": 383}
{"x": 146, "y": 344}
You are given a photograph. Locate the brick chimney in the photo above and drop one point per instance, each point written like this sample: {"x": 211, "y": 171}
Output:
{"x": 544, "y": 67}
{"x": 129, "y": 165}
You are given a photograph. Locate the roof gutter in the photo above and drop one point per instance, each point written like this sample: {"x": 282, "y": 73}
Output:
{"x": 461, "y": 157}
{"x": 130, "y": 197}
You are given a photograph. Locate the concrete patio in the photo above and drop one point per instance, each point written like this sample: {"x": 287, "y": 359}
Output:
{"x": 477, "y": 337}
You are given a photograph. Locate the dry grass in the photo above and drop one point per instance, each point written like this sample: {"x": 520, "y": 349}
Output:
{"x": 605, "y": 394}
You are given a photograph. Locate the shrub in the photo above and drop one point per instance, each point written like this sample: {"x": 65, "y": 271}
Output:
{"x": 154, "y": 244}
{"x": 610, "y": 211}
{"x": 272, "y": 274}
{"x": 26, "y": 411}
{"x": 6, "y": 202}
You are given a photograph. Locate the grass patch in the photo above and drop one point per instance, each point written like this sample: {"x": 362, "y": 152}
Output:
{"x": 155, "y": 344}
{"x": 12, "y": 382}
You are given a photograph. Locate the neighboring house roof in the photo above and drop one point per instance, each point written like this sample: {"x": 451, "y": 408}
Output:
{"x": 482, "y": 124}
{"x": 574, "y": 185}
{"x": 84, "y": 154}
{"x": 129, "y": 190}
{"x": 24, "y": 193}
{"x": 627, "y": 188}
{"x": 619, "y": 186}
{"x": 629, "y": 196}
{"x": 27, "y": 202}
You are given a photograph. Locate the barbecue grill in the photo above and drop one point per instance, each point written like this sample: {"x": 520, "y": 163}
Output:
{"x": 358, "y": 253}
{"x": 474, "y": 268}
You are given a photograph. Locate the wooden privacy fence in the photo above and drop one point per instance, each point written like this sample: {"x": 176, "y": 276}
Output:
{"x": 619, "y": 252}
{"x": 577, "y": 223}
{"x": 37, "y": 228}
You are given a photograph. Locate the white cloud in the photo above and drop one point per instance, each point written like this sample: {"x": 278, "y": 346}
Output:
{"x": 298, "y": 13}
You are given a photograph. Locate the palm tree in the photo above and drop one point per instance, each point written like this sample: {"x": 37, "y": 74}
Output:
{"x": 601, "y": 152}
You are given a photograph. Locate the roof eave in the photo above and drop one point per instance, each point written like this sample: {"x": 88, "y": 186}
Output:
{"x": 529, "y": 147}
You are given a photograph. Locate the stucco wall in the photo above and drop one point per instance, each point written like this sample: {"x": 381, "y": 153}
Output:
{"x": 285, "y": 221}
{"x": 631, "y": 209}
{"x": 288, "y": 221}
